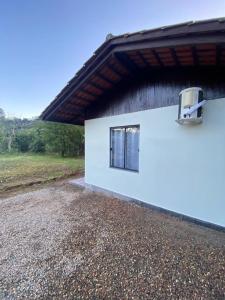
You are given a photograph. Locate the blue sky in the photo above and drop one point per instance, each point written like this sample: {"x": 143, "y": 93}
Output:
{"x": 45, "y": 42}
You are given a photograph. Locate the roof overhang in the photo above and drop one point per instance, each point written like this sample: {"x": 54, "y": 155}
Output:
{"x": 124, "y": 57}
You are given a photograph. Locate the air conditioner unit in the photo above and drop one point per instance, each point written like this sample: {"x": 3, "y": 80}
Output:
{"x": 190, "y": 106}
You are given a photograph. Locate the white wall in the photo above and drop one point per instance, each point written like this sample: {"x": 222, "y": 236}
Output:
{"x": 181, "y": 168}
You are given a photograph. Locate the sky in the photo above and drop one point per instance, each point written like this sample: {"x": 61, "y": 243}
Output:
{"x": 45, "y": 42}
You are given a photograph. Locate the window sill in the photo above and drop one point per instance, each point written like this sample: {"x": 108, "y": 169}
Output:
{"x": 123, "y": 169}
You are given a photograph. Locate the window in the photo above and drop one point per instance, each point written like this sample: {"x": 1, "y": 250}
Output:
{"x": 124, "y": 147}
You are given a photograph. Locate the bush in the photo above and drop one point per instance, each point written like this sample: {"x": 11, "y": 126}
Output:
{"x": 22, "y": 141}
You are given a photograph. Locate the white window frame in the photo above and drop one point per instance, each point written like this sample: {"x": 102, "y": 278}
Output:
{"x": 125, "y": 147}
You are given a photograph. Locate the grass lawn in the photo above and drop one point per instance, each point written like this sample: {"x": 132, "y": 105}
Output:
{"x": 27, "y": 169}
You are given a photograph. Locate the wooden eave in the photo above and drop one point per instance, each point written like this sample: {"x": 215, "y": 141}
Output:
{"x": 124, "y": 57}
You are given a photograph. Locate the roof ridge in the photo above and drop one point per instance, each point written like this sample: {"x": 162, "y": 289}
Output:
{"x": 191, "y": 22}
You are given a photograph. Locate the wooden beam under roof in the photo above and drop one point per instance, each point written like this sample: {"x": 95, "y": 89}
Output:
{"x": 123, "y": 64}
{"x": 68, "y": 112}
{"x": 195, "y": 55}
{"x": 156, "y": 55}
{"x": 218, "y": 54}
{"x": 174, "y": 55}
{"x": 78, "y": 120}
{"x": 124, "y": 59}
{"x": 82, "y": 99}
{"x": 88, "y": 92}
{"x": 97, "y": 86}
{"x": 142, "y": 58}
{"x": 118, "y": 73}
{"x": 77, "y": 104}
{"x": 106, "y": 79}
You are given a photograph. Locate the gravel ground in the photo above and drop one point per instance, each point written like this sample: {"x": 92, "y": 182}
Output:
{"x": 62, "y": 242}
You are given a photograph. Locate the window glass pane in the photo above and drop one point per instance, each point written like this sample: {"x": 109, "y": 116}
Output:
{"x": 132, "y": 148}
{"x": 117, "y": 147}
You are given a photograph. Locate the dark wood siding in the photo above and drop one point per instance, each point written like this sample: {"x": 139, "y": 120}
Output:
{"x": 158, "y": 89}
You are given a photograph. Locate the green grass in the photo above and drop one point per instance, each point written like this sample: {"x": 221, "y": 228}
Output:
{"x": 17, "y": 169}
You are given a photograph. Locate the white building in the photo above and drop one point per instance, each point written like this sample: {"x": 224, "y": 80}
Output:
{"x": 127, "y": 96}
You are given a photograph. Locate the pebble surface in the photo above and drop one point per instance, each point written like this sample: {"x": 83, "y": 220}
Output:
{"x": 63, "y": 242}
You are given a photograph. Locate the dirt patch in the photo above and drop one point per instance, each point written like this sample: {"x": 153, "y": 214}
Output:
{"x": 30, "y": 182}
{"x": 62, "y": 242}
{"x": 34, "y": 185}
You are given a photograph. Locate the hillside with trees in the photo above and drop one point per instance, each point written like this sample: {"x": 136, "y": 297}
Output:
{"x": 35, "y": 136}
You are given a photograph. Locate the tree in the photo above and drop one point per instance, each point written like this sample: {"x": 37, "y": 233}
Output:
{"x": 1, "y": 138}
{"x": 25, "y": 135}
{"x": 2, "y": 114}
{"x": 23, "y": 140}
{"x": 37, "y": 144}
{"x": 63, "y": 139}
{"x": 9, "y": 127}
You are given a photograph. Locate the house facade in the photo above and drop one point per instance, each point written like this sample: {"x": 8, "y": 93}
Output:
{"x": 127, "y": 96}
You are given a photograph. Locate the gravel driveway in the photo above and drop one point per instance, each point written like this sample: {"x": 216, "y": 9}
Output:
{"x": 62, "y": 242}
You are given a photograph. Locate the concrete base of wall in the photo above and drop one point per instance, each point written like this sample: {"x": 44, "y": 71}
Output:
{"x": 81, "y": 183}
